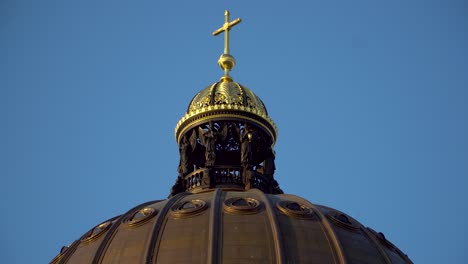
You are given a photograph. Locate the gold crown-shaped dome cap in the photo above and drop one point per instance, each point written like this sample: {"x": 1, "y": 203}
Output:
{"x": 226, "y": 100}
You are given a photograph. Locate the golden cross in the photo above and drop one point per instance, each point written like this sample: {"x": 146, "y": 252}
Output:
{"x": 225, "y": 28}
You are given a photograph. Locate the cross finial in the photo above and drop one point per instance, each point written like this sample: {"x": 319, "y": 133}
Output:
{"x": 226, "y": 28}
{"x": 226, "y": 61}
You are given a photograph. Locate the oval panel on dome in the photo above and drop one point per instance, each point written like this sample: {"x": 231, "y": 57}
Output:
{"x": 141, "y": 216}
{"x": 381, "y": 237}
{"x": 96, "y": 232}
{"x": 294, "y": 209}
{"x": 241, "y": 205}
{"x": 188, "y": 208}
{"x": 343, "y": 220}
{"x": 63, "y": 250}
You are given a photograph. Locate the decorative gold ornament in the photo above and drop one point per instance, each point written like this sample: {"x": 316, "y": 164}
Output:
{"x": 226, "y": 61}
{"x": 226, "y": 100}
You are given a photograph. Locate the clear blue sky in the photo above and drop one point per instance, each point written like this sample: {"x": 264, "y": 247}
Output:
{"x": 370, "y": 97}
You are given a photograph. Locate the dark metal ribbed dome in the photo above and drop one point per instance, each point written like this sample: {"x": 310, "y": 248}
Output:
{"x": 222, "y": 226}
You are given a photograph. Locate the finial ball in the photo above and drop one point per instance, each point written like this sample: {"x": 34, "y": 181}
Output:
{"x": 226, "y": 62}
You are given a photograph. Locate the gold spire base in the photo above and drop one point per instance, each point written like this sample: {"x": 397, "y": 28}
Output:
{"x": 226, "y": 78}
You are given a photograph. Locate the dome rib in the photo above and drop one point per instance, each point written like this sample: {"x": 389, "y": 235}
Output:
{"x": 338, "y": 248}
{"x": 331, "y": 235}
{"x": 153, "y": 248}
{"x": 98, "y": 257}
{"x": 214, "y": 228}
{"x": 278, "y": 240}
{"x": 379, "y": 246}
{"x": 64, "y": 256}
{"x": 213, "y": 88}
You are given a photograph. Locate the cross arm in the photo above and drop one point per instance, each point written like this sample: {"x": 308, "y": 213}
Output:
{"x": 218, "y": 31}
{"x": 234, "y": 22}
{"x": 226, "y": 26}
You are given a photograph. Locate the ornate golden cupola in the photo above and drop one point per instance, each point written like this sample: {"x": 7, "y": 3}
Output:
{"x": 226, "y": 137}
